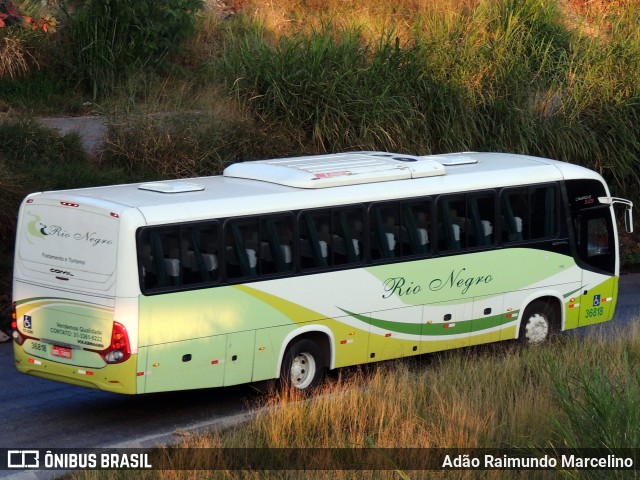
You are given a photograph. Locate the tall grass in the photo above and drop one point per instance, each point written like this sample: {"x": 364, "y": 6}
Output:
{"x": 601, "y": 405}
{"x": 114, "y": 39}
{"x": 507, "y": 75}
{"x": 337, "y": 90}
{"x": 573, "y": 393}
{"x": 188, "y": 143}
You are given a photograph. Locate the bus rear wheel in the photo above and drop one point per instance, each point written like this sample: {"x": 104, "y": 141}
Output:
{"x": 538, "y": 322}
{"x": 303, "y": 366}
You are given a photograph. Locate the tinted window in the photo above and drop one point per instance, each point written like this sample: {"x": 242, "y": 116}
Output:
{"x": 529, "y": 213}
{"x": 178, "y": 255}
{"x": 466, "y": 221}
{"x": 330, "y": 237}
{"x": 258, "y": 246}
{"x": 400, "y": 229}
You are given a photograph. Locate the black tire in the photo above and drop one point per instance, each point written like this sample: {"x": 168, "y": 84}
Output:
{"x": 303, "y": 366}
{"x": 538, "y": 323}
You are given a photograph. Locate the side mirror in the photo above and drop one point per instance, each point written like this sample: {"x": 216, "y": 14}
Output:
{"x": 628, "y": 220}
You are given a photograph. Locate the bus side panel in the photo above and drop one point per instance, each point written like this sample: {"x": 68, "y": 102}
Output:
{"x": 239, "y": 357}
{"x": 350, "y": 342}
{"x": 466, "y": 300}
{"x": 512, "y": 302}
{"x": 446, "y": 325}
{"x": 268, "y": 347}
{"x": 432, "y": 304}
{"x": 206, "y": 338}
{"x": 197, "y": 363}
{"x": 490, "y": 317}
{"x": 385, "y": 343}
{"x": 598, "y": 304}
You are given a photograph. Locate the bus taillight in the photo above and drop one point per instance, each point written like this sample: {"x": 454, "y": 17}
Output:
{"x": 120, "y": 349}
{"x": 17, "y": 337}
{"x": 14, "y": 317}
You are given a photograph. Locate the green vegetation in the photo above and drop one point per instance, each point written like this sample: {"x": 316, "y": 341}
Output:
{"x": 113, "y": 39}
{"x": 500, "y": 396}
{"x": 502, "y": 76}
{"x": 187, "y": 90}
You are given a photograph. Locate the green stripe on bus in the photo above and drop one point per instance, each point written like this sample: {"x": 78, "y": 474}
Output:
{"x": 426, "y": 329}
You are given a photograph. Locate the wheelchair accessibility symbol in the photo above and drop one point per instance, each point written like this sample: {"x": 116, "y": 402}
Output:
{"x": 596, "y": 300}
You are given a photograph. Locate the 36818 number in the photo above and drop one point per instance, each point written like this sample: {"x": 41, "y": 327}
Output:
{"x": 594, "y": 312}
{"x": 39, "y": 347}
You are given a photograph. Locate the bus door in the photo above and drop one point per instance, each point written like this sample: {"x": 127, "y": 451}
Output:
{"x": 596, "y": 251}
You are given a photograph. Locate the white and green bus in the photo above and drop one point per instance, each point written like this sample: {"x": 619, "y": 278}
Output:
{"x": 282, "y": 269}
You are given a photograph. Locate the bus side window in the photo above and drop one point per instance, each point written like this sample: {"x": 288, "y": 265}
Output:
{"x": 275, "y": 244}
{"x": 385, "y": 221}
{"x": 515, "y": 215}
{"x": 314, "y": 251}
{"x": 482, "y": 214}
{"x": 330, "y": 237}
{"x": 146, "y": 264}
{"x": 199, "y": 253}
{"x": 240, "y": 247}
{"x": 346, "y": 233}
{"x": 416, "y": 227}
{"x": 451, "y": 223}
{"x": 543, "y": 214}
{"x": 159, "y": 257}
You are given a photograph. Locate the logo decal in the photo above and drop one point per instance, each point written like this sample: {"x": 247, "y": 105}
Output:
{"x": 23, "y": 459}
{"x": 35, "y": 228}
{"x": 27, "y": 321}
{"x": 39, "y": 230}
{"x": 596, "y": 300}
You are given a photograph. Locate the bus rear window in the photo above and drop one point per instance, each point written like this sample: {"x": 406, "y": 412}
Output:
{"x": 68, "y": 244}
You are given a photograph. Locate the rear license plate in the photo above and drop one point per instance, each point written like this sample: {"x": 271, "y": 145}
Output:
{"x": 61, "y": 352}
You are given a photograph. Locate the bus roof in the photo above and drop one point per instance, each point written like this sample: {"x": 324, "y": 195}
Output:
{"x": 307, "y": 182}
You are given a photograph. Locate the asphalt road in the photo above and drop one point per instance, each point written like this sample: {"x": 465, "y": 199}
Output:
{"x": 45, "y": 414}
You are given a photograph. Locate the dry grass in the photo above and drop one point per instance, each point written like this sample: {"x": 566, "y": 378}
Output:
{"x": 185, "y": 142}
{"x": 498, "y": 396}
{"x": 15, "y": 59}
{"x": 284, "y": 18}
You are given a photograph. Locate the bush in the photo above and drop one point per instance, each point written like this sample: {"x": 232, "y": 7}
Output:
{"x": 12, "y": 191}
{"x": 601, "y": 407}
{"x": 500, "y": 76}
{"x": 185, "y": 144}
{"x": 19, "y": 34}
{"x": 48, "y": 159}
{"x": 113, "y": 38}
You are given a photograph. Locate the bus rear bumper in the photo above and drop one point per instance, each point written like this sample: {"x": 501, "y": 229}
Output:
{"x": 118, "y": 378}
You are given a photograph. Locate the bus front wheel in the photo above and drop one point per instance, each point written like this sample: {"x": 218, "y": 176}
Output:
{"x": 538, "y": 322}
{"x": 303, "y": 366}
